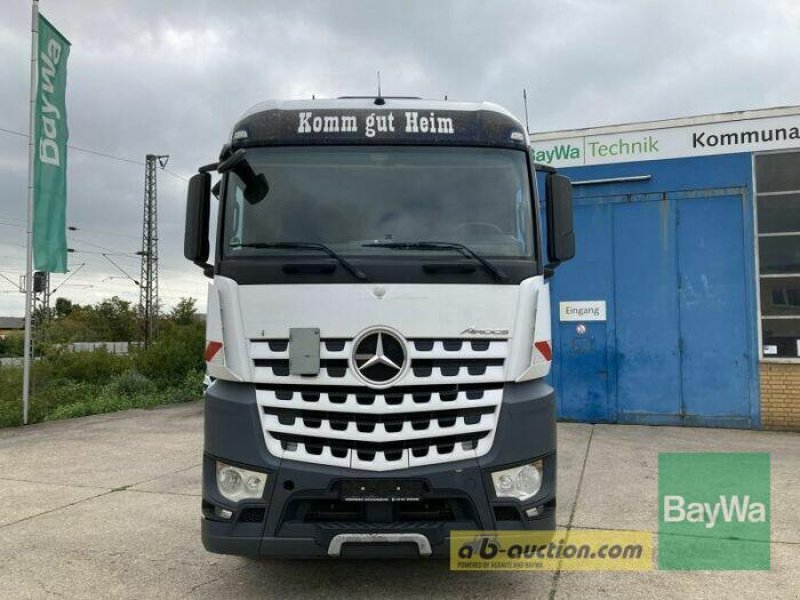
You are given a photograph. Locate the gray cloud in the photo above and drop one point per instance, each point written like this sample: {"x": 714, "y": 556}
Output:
{"x": 172, "y": 77}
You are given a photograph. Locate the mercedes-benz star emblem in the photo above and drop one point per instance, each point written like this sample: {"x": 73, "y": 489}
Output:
{"x": 380, "y": 357}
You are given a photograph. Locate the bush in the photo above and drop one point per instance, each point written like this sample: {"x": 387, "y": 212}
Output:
{"x": 11, "y": 344}
{"x": 89, "y": 367}
{"x": 191, "y": 388}
{"x": 58, "y": 395}
{"x": 74, "y": 384}
{"x": 177, "y": 351}
{"x": 129, "y": 384}
{"x": 10, "y": 396}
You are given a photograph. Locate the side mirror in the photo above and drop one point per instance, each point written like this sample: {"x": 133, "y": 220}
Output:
{"x": 255, "y": 186}
{"x": 560, "y": 236}
{"x": 198, "y": 207}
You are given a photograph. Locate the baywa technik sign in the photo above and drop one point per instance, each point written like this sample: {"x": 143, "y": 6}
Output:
{"x": 749, "y": 135}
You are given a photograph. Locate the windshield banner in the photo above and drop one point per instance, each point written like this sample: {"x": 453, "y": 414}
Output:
{"x": 381, "y": 126}
{"x": 50, "y": 152}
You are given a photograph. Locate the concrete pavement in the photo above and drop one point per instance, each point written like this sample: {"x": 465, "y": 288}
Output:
{"x": 108, "y": 506}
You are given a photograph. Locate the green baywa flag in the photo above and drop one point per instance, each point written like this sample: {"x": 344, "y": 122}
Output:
{"x": 50, "y": 152}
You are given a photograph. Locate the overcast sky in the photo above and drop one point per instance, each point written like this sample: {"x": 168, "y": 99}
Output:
{"x": 171, "y": 77}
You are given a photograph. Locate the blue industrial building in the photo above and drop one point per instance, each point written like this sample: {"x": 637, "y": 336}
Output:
{"x": 685, "y": 289}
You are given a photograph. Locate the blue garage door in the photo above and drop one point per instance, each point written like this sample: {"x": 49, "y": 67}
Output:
{"x": 675, "y": 346}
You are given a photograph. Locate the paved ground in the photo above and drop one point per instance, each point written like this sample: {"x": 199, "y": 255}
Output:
{"x": 108, "y": 507}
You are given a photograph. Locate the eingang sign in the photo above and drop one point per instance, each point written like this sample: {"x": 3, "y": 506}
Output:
{"x": 721, "y": 137}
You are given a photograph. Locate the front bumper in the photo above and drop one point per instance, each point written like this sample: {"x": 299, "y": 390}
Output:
{"x": 302, "y": 513}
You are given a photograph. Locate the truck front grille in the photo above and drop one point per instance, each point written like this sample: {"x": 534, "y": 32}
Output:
{"x": 445, "y": 409}
{"x": 449, "y": 361}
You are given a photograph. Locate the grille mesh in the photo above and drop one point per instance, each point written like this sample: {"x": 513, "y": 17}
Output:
{"x": 444, "y": 409}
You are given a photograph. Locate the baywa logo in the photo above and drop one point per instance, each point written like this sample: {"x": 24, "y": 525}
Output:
{"x": 714, "y": 511}
{"x": 729, "y": 509}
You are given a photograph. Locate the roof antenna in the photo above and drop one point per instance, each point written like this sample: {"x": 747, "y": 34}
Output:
{"x": 525, "y": 102}
{"x": 379, "y": 99}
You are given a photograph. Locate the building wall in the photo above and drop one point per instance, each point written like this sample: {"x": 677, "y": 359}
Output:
{"x": 694, "y": 155}
{"x": 637, "y": 241}
{"x": 775, "y": 385}
{"x": 780, "y": 396}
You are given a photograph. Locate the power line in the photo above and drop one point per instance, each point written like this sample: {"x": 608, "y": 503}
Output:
{"x": 80, "y": 251}
{"x": 12, "y": 132}
{"x": 174, "y": 174}
{"x": 97, "y": 153}
{"x": 71, "y": 228}
{"x": 106, "y": 248}
{"x": 68, "y": 278}
{"x": 21, "y": 224}
{"x": 120, "y": 269}
{"x": 16, "y": 285}
{"x": 101, "y": 232}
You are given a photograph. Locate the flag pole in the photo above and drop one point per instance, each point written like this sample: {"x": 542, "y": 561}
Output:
{"x": 26, "y": 361}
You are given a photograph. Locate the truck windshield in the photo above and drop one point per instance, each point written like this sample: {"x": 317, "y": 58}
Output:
{"x": 347, "y": 197}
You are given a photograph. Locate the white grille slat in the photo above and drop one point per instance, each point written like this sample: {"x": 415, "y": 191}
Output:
{"x": 326, "y": 457}
{"x": 379, "y": 405}
{"x": 379, "y": 433}
{"x": 492, "y": 374}
{"x": 261, "y": 350}
{"x": 273, "y": 445}
{"x": 379, "y": 462}
{"x": 434, "y": 457}
{"x": 496, "y": 349}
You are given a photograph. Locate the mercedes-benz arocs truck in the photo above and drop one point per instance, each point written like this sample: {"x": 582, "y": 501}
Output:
{"x": 378, "y": 328}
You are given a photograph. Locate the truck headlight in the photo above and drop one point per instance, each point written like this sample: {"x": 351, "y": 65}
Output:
{"x": 518, "y": 482}
{"x": 235, "y": 483}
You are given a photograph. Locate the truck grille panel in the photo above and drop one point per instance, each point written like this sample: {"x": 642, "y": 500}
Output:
{"x": 432, "y": 362}
{"x": 444, "y": 409}
{"x": 379, "y": 430}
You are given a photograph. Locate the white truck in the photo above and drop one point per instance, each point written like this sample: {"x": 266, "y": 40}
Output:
{"x": 378, "y": 328}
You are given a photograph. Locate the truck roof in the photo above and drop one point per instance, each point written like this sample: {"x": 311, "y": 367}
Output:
{"x": 377, "y": 120}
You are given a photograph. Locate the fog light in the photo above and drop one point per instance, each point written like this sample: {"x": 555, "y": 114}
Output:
{"x": 521, "y": 482}
{"x": 223, "y": 513}
{"x": 533, "y": 511}
{"x": 235, "y": 483}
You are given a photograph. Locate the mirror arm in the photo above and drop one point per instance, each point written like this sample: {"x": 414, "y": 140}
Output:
{"x": 550, "y": 269}
{"x": 208, "y": 269}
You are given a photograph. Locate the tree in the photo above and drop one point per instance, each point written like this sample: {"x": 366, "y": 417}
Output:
{"x": 112, "y": 320}
{"x": 63, "y": 307}
{"x": 184, "y": 312}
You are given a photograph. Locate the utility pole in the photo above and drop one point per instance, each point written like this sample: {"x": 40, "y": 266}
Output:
{"x": 148, "y": 281}
{"x": 41, "y": 306}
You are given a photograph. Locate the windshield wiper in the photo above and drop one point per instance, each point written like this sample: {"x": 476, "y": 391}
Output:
{"x": 357, "y": 273}
{"x": 466, "y": 251}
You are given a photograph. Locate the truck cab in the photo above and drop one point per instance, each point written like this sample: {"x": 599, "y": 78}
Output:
{"x": 378, "y": 328}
